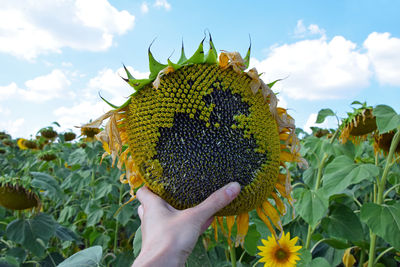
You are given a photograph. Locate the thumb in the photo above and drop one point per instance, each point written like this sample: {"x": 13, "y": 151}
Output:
{"x": 217, "y": 200}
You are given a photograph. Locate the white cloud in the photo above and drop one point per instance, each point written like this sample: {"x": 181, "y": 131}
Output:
{"x": 144, "y": 8}
{"x": 8, "y": 91}
{"x": 384, "y": 53}
{"x": 46, "y": 87}
{"x": 317, "y": 69}
{"x": 163, "y": 4}
{"x": 112, "y": 87}
{"x": 109, "y": 83}
{"x": 31, "y": 28}
{"x": 13, "y": 127}
{"x": 302, "y": 31}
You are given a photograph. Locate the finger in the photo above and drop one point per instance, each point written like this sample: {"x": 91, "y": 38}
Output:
{"x": 140, "y": 212}
{"x": 217, "y": 200}
{"x": 148, "y": 198}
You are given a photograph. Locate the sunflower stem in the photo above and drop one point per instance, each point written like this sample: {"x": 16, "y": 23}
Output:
{"x": 381, "y": 187}
{"x": 121, "y": 187}
{"x": 232, "y": 252}
{"x": 383, "y": 253}
{"x": 362, "y": 258}
{"x": 318, "y": 184}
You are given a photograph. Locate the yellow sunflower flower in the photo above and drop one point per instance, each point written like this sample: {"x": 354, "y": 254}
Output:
{"x": 281, "y": 253}
{"x": 21, "y": 144}
{"x": 198, "y": 124}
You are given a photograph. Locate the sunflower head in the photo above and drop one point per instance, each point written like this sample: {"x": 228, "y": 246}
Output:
{"x": 4, "y": 135}
{"x": 47, "y": 156}
{"x": 24, "y": 144}
{"x": 48, "y": 133}
{"x": 8, "y": 142}
{"x": 17, "y": 195}
{"x": 69, "y": 136}
{"x": 382, "y": 142}
{"x": 89, "y": 132}
{"x": 358, "y": 124}
{"x": 282, "y": 252}
{"x": 198, "y": 124}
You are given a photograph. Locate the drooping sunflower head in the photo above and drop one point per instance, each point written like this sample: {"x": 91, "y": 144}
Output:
{"x": 89, "y": 132}
{"x": 69, "y": 136}
{"x": 4, "y": 135}
{"x": 47, "y": 156}
{"x": 198, "y": 124}
{"x": 382, "y": 143}
{"x": 282, "y": 253}
{"x": 358, "y": 124}
{"x": 8, "y": 142}
{"x": 17, "y": 195}
{"x": 48, "y": 133}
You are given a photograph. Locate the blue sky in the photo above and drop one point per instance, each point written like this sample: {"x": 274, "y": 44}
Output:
{"x": 56, "y": 56}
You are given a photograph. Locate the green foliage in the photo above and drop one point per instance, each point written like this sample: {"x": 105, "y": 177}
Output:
{"x": 384, "y": 220}
{"x": 346, "y": 193}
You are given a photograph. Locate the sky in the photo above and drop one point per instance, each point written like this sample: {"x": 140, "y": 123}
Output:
{"x": 57, "y": 56}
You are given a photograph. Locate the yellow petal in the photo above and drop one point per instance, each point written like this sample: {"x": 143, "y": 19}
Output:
{"x": 242, "y": 223}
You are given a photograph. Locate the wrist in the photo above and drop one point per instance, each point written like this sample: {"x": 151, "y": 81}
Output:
{"x": 165, "y": 256}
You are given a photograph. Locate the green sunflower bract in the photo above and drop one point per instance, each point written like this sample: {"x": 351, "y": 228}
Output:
{"x": 198, "y": 124}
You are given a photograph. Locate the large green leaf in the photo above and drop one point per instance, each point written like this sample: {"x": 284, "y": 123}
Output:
{"x": 311, "y": 205}
{"x": 47, "y": 183}
{"x": 305, "y": 258}
{"x": 199, "y": 256}
{"x": 342, "y": 172}
{"x": 65, "y": 233}
{"x": 384, "y": 220}
{"x": 137, "y": 242}
{"x": 86, "y": 258}
{"x": 343, "y": 223}
{"x": 27, "y": 231}
{"x": 251, "y": 240}
{"x": 386, "y": 118}
{"x": 323, "y": 113}
{"x": 319, "y": 262}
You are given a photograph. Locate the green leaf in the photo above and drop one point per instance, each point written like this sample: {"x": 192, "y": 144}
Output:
{"x": 212, "y": 56}
{"x": 128, "y": 74}
{"x": 319, "y": 262}
{"x": 386, "y": 118}
{"x": 182, "y": 58}
{"x": 27, "y": 231}
{"x": 47, "y": 183}
{"x": 65, "y": 233}
{"x": 125, "y": 214}
{"x": 154, "y": 66}
{"x": 85, "y": 258}
{"x": 323, "y": 113}
{"x": 383, "y": 220}
{"x": 343, "y": 223}
{"x": 311, "y": 205}
{"x": 342, "y": 172}
{"x": 305, "y": 258}
{"x": 251, "y": 240}
{"x": 137, "y": 242}
{"x": 199, "y": 256}
{"x": 198, "y": 56}
{"x": 94, "y": 217}
{"x": 247, "y": 57}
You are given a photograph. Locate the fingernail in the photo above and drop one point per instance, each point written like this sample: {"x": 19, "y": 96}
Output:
{"x": 232, "y": 189}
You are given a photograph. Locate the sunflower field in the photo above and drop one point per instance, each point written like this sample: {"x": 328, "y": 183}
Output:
{"x": 329, "y": 198}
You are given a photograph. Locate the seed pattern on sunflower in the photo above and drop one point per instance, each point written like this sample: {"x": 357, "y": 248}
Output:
{"x": 197, "y": 125}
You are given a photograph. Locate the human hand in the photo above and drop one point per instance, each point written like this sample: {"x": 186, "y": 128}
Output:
{"x": 169, "y": 235}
